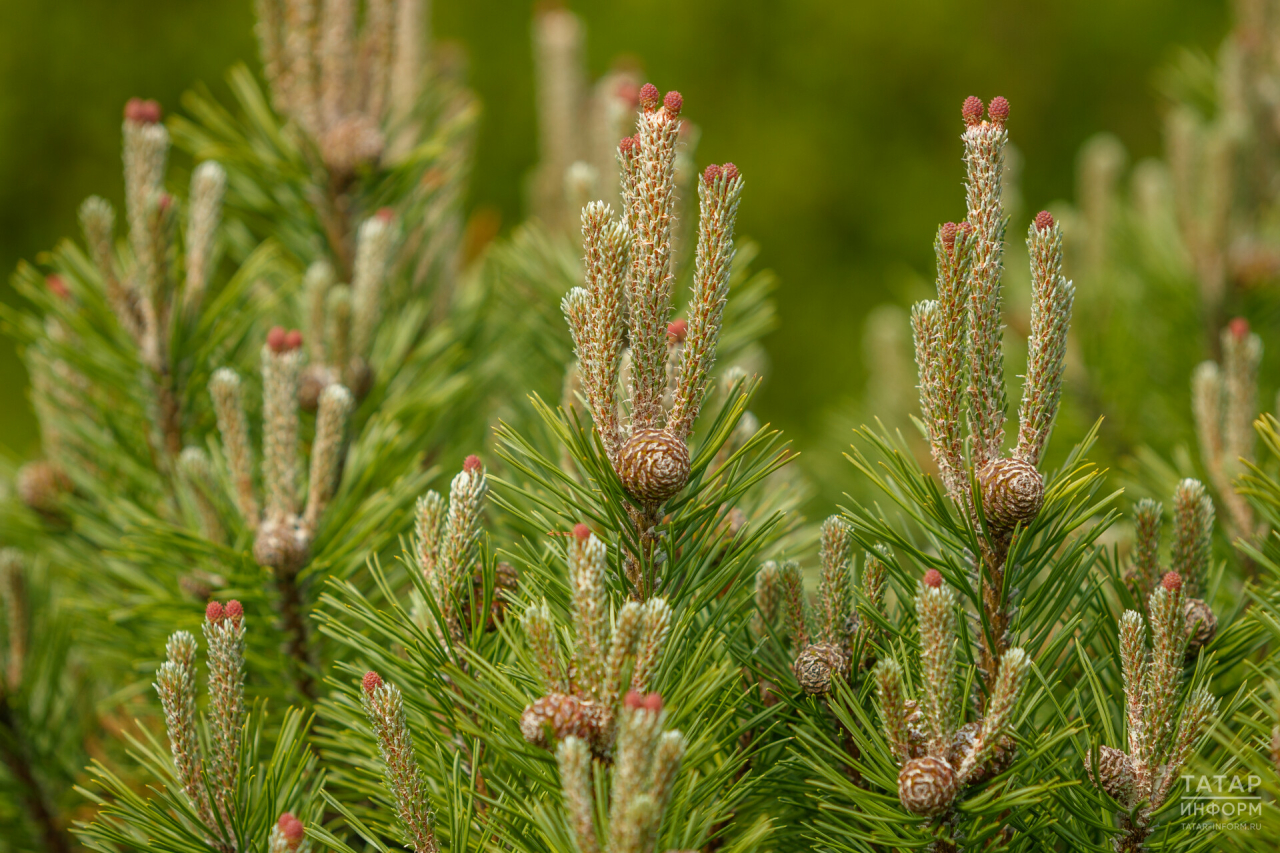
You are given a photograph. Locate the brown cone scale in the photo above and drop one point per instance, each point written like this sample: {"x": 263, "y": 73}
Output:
{"x": 653, "y": 465}
{"x": 817, "y": 665}
{"x": 927, "y": 786}
{"x": 1012, "y": 492}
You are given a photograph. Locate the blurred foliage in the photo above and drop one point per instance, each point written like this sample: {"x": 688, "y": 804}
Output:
{"x": 842, "y": 116}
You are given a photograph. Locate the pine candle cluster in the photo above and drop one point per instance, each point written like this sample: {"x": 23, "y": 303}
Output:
{"x": 384, "y": 708}
{"x": 826, "y": 644}
{"x": 938, "y": 754}
{"x": 283, "y": 528}
{"x": 1224, "y": 401}
{"x": 959, "y": 355}
{"x": 623, "y": 314}
{"x": 1189, "y": 558}
{"x": 1160, "y": 742}
{"x": 583, "y": 697}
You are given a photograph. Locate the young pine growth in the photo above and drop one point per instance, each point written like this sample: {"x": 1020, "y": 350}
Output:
{"x": 283, "y": 526}
{"x": 1162, "y": 726}
{"x": 1189, "y": 557}
{"x": 644, "y": 770}
{"x": 958, "y": 342}
{"x": 584, "y": 692}
{"x": 627, "y": 298}
{"x": 1224, "y": 401}
{"x": 938, "y": 753}
{"x": 384, "y": 708}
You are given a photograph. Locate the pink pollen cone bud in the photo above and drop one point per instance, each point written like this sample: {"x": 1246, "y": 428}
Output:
{"x": 1044, "y": 220}
{"x": 371, "y": 682}
{"x": 142, "y": 111}
{"x": 933, "y": 578}
{"x": 291, "y": 828}
{"x": 57, "y": 286}
{"x": 634, "y": 699}
{"x": 214, "y": 612}
{"x": 730, "y": 172}
{"x": 948, "y": 234}
{"x": 293, "y": 340}
{"x": 653, "y": 702}
{"x": 1239, "y": 327}
{"x": 677, "y": 330}
{"x": 472, "y": 464}
{"x": 581, "y": 532}
{"x": 386, "y": 214}
{"x": 712, "y": 172}
{"x": 672, "y": 103}
{"x": 234, "y": 610}
{"x": 998, "y": 110}
{"x": 276, "y": 339}
{"x": 972, "y": 110}
{"x": 649, "y": 97}
{"x": 627, "y": 145}
{"x": 1172, "y": 581}
{"x": 628, "y": 91}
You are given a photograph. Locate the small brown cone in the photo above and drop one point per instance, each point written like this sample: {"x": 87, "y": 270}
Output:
{"x": 653, "y": 465}
{"x": 1012, "y": 492}
{"x": 1202, "y": 625}
{"x": 554, "y": 717}
{"x": 817, "y": 665}
{"x": 927, "y": 786}
{"x": 1115, "y": 771}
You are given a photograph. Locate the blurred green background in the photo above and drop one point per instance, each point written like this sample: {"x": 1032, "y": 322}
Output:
{"x": 843, "y": 116}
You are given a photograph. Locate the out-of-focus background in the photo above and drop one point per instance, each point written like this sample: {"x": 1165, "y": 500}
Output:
{"x": 844, "y": 118}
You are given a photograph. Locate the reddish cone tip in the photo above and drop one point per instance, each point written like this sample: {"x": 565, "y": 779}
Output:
{"x": 653, "y": 702}
{"x": 142, "y": 111}
{"x": 628, "y": 91}
{"x": 1239, "y": 327}
{"x": 581, "y": 532}
{"x": 293, "y": 340}
{"x": 948, "y": 234}
{"x": 290, "y": 827}
{"x": 1172, "y": 581}
{"x": 964, "y": 228}
{"x": 627, "y": 145}
{"x": 649, "y": 97}
{"x": 234, "y": 610}
{"x": 276, "y": 338}
{"x": 57, "y": 286}
{"x": 371, "y": 681}
{"x": 472, "y": 464}
{"x": 672, "y": 103}
{"x": 712, "y": 172}
{"x": 677, "y": 330}
{"x": 933, "y": 578}
{"x": 1044, "y": 220}
{"x": 214, "y": 612}
{"x": 385, "y": 214}
{"x": 998, "y": 110}
{"x": 730, "y": 172}
{"x": 634, "y": 699}
{"x": 972, "y": 110}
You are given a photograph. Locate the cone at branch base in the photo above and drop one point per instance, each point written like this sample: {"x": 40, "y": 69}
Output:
{"x": 1202, "y": 625}
{"x": 1115, "y": 774}
{"x": 1012, "y": 492}
{"x": 817, "y": 665}
{"x": 556, "y": 716}
{"x": 927, "y": 786}
{"x": 653, "y": 465}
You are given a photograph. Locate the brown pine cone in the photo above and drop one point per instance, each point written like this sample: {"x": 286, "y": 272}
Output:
{"x": 817, "y": 665}
{"x": 927, "y": 786}
{"x": 1116, "y": 771}
{"x": 653, "y": 465}
{"x": 41, "y": 485}
{"x": 282, "y": 544}
{"x": 556, "y": 716}
{"x": 311, "y": 384}
{"x": 1012, "y": 492}
{"x": 1202, "y": 625}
